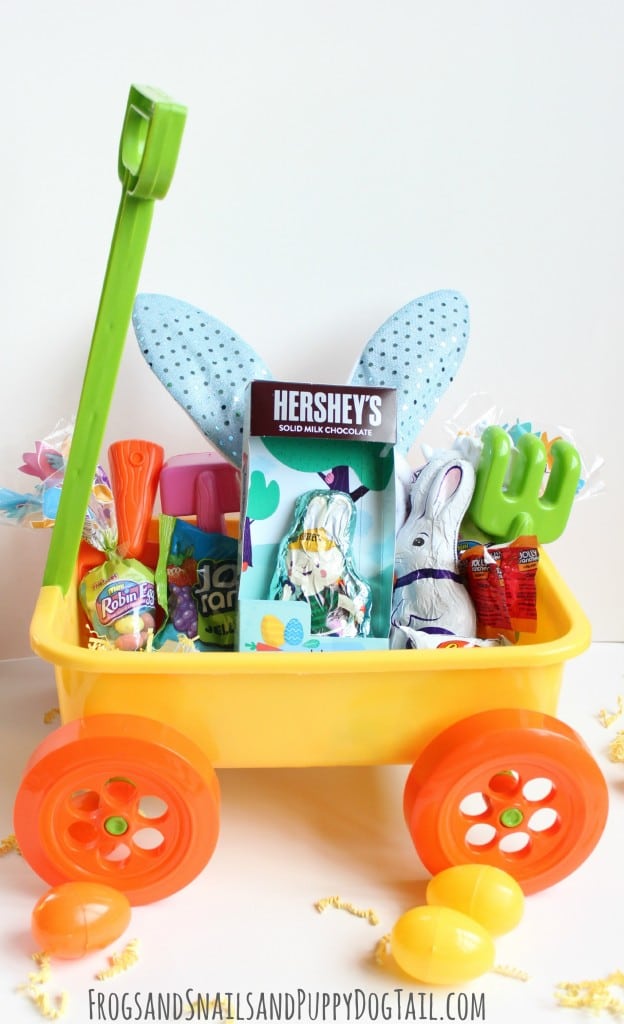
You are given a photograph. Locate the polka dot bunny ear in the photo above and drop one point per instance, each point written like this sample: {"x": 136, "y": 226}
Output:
{"x": 418, "y": 351}
{"x": 203, "y": 364}
{"x": 206, "y": 366}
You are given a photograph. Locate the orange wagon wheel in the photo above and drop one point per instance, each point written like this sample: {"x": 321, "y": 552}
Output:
{"x": 118, "y": 799}
{"x": 516, "y": 789}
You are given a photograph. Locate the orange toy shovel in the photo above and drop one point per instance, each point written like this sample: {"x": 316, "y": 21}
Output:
{"x": 134, "y": 471}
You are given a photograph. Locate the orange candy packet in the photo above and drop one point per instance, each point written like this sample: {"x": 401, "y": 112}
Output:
{"x": 501, "y": 582}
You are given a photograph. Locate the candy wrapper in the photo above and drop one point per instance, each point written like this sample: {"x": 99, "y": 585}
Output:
{"x": 38, "y": 508}
{"x": 501, "y": 582}
{"x": 120, "y": 602}
{"x": 47, "y": 463}
{"x": 420, "y": 639}
{"x": 315, "y": 565}
{"x": 468, "y": 424}
{"x": 197, "y": 582}
{"x": 119, "y": 596}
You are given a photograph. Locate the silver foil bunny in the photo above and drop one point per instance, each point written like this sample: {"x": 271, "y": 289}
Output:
{"x": 315, "y": 565}
{"x": 429, "y": 593}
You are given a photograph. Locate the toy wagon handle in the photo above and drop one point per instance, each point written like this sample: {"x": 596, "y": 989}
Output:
{"x": 148, "y": 151}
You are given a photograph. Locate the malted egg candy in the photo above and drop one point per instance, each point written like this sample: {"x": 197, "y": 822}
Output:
{"x": 128, "y": 642}
{"x": 488, "y": 894}
{"x": 441, "y": 946}
{"x": 75, "y": 917}
{"x": 127, "y": 624}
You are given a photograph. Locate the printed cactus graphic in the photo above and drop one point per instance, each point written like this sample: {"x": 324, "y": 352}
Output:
{"x": 511, "y": 500}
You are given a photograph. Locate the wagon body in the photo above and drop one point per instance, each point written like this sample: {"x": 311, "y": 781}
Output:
{"x": 302, "y": 709}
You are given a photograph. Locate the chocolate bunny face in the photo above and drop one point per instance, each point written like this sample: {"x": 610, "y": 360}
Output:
{"x": 315, "y": 558}
{"x": 439, "y": 496}
{"x": 312, "y": 569}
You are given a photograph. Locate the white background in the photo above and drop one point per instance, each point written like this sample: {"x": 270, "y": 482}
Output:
{"x": 339, "y": 159}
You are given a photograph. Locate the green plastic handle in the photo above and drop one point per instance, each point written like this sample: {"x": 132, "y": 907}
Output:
{"x": 148, "y": 151}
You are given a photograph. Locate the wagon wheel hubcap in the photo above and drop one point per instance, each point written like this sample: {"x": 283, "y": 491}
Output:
{"x": 115, "y": 824}
{"x": 514, "y": 812}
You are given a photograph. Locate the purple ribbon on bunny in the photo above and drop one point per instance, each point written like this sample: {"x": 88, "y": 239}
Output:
{"x": 427, "y": 574}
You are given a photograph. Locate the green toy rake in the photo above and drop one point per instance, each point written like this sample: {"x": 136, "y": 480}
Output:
{"x": 511, "y": 501}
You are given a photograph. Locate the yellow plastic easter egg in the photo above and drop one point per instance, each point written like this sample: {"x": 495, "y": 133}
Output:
{"x": 441, "y": 946}
{"x": 489, "y": 895}
{"x": 272, "y": 630}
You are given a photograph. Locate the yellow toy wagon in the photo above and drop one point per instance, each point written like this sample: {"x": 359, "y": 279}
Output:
{"x": 125, "y": 791}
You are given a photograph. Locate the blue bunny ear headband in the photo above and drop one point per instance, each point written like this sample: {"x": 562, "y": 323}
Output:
{"x": 206, "y": 366}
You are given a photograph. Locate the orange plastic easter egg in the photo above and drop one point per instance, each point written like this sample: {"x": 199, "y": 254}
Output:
{"x": 440, "y": 946}
{"x": 76, "y": 917}
{"x": 488, "y": 894}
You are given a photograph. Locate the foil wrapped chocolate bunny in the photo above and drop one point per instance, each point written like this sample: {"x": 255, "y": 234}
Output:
{"x": 315, "y": 565}
{"x": 429, "y": 592}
